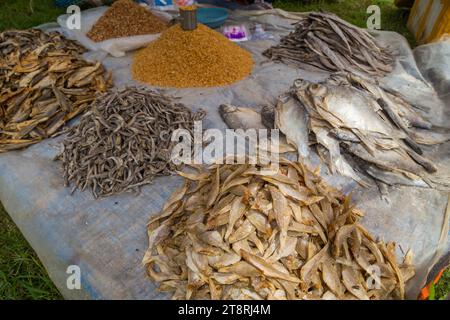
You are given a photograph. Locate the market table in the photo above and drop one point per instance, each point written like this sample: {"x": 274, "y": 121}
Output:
{"x": 106, "y": 238}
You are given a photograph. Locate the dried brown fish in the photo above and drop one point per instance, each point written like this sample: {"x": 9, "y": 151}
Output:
{"x": 325, "y": 41}
{"x": 38, "y": 75}
{"x": 124, "y": 142}
{"x": 240, "y": 248}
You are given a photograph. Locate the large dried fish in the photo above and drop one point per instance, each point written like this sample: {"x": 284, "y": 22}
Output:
{"x": 269, "y": 245}
{"x": 44, "y": 83}
{"x": 293, "y": 120}
{"x": 325, "y": 41}
{"x": 124, "y": 142}
{"x": 363, "y": 132}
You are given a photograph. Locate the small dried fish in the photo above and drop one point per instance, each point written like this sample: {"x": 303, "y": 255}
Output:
{"x": 124, "y": 142}
{"x": 38, "y": 74}
{"x": 283, "y": 252}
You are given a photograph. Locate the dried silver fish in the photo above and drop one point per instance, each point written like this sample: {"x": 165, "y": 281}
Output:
{"x": 325, "y": 41}
{"x": 362, "y": 131}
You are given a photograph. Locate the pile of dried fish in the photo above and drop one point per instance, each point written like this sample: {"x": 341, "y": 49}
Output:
{"x": 239, "y": 232}
{"x": 124, "y": 141}
{"x": 361, "y": 131}
{"x": 44, "y": 82}
{"x": 327, "y": 42}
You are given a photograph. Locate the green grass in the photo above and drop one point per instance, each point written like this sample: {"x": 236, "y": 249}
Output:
{"x": 22, "y": 275}
{"x": 354, "y": 11}
{"x": 442, "y": 289}
{"x": 22, "y": 14}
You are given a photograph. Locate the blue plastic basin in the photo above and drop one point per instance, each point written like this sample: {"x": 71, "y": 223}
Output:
{"x": 212, "y": 17}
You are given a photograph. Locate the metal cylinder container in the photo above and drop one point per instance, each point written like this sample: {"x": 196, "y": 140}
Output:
{"x": 188, "y": 19}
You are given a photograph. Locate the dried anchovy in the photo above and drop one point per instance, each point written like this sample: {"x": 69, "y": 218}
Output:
{"x": 44, "y": 82}
{"x": 325, "y": 41}
{"x": 124, "y": 141}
